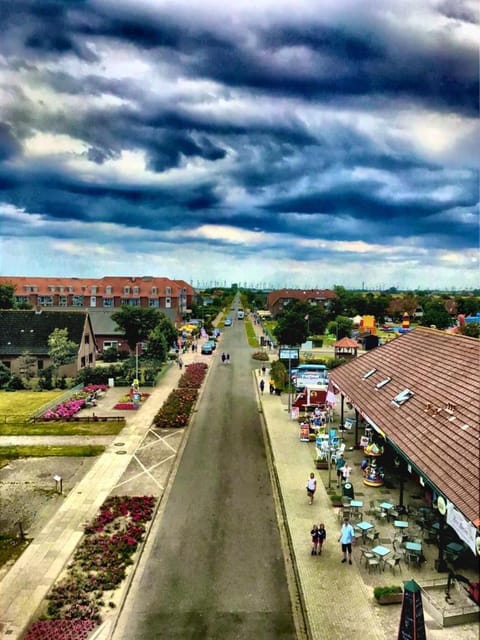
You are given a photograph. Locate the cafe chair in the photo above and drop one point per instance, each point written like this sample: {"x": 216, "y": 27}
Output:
{"x": 373, "y": 563}
{"x": 373, "y": 536}
{"x": 393, "y": 562}
{"x": 366, "y": 554}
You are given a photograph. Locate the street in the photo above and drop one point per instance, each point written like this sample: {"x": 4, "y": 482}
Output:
{"x": 214, "y": 566}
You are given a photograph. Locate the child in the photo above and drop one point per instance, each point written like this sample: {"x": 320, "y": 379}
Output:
{"x": 322, "y": 536}
{"x": 315, "y": 540}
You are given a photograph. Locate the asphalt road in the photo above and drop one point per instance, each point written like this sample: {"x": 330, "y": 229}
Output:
{"x": 214, "y": 568}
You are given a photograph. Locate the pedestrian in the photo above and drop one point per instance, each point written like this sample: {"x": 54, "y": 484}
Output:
{"x": 339, "y": 464}
{"x": 180, "y": 362}
{"x": 322, "y": 536}
{"x": 311, "y": 487}
{"x": 271, "y": 385}
{"x": 262, "y": 386}
{"x": 347, "y": 537}
{"x": 346, "y": 472}
{"x": 228, "y": 358}
{"x": 193, "y": 347}
{"x": 314, "y": 535}
{"x": 264, "y": 368}
{"x": 224, "y": 357}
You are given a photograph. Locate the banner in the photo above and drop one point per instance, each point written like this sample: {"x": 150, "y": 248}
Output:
{"x": 462, "y": 527}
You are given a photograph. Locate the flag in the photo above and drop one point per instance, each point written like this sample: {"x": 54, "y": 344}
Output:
{"x": 306, "y": 317}
{"x": 330, "y": 399}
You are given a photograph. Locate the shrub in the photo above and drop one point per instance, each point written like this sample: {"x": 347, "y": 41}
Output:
{"x": 260, "y": 355}
{"x": 380, "y": 591}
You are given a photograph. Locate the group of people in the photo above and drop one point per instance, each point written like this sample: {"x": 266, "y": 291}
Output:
{"x": 318, "y": 533}
{"x": 344, "y": 470}
{"x": 226, "y": 358}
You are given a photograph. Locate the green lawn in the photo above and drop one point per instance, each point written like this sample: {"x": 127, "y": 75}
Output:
{"x": 251, "y": 336}
{"x": 42, "y": 451}
{"x": 62, "y": 428}
{"x": 24, "y": 403}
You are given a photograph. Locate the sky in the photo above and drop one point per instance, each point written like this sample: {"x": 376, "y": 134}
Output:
{"x": 260, "y": 142}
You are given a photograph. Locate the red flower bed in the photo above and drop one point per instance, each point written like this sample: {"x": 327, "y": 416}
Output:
{"x": 176, "y": 409}
{"x": 193, "y": 376}
{"x": 99, "y": 565}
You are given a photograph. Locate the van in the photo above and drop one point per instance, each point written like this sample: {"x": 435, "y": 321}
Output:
{"x": 240, "y": 314}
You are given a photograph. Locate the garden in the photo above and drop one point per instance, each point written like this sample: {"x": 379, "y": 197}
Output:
{"x": 177, "y": 408}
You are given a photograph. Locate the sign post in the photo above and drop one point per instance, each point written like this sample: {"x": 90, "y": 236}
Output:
{"x": 412, "y": 622}
{"x": 290, "y": 354}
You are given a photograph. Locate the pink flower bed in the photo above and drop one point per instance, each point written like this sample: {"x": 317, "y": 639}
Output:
{"x": 65, "y": 410}
{"x": 60, "y": 630}
{"x": 91, "y": 388}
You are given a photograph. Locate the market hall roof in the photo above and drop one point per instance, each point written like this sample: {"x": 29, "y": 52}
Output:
{"x": 422, "y": 390}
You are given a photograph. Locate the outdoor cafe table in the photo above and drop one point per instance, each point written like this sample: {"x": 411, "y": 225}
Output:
{"x": 415, "y": 549}
{"x": 356, "y": 504}
{"x": 454, "y": 547}
{"x": 400, "y": 524}
{"x": 364, "y": 527}
{"x": 381, "y": 552}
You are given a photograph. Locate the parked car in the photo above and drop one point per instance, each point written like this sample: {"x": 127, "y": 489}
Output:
{"x": 207, "y": 349}
{"x": 228, "y": 322}
{"x": 212, "y": 343}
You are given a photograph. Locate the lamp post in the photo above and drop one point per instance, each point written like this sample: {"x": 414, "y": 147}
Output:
{"x": 136, "y": 361}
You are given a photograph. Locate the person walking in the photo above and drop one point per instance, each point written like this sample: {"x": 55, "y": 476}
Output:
{"x": 314, "y": 536}
{"x": 339, "y": 464}
{"x": 228, "y": 358}
{"x": 311, "y": 487}
{"x": 346, "y": 472}
{"x": 271, "y": 385}
{"x": 224, "y": 357}
{"x": 322, "y": 536}
{"x": 347, "y": 537}
{"x": 262, "y": 386}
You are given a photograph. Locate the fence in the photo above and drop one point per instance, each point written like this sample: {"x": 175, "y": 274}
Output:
{"x": 53, "y": 403}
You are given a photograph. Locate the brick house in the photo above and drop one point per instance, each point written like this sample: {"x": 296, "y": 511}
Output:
{"x": 108, "y": 292}
{"x": 277, "y": 301}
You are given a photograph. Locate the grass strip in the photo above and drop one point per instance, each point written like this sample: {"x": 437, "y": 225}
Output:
{"x": 44, "y": 451}
{"x": 62, "y": 429}
{"x": 251, "y": 336}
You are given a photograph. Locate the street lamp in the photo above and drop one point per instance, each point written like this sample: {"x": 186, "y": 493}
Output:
{"x": 136, "y": 361}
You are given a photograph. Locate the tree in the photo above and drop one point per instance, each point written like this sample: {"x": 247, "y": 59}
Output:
{"x": 157, "y": 347}
{"x": 341, "y": 327}
{"x": 471, "y": 329}
{"x": 7, "y": 300}
{"x": 61, "y": 349}
{"x": 291, "y": 329}
{"x": 5, "y": 375}
{"x": 434, "y": 313}
{"x": 27, "y": 365}
{"x": 136, "y": 323}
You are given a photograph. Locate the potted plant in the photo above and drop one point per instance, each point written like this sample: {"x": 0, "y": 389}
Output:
{"x": 392, "y": 594}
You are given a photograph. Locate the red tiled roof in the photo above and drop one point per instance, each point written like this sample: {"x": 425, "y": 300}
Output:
{"x": 300, "y": 294}
{"x": 438, "y": 428}
{"x": 347, "y": 343}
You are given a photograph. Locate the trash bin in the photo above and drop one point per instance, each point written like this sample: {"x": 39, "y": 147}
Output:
{"x": 347, "y": 490}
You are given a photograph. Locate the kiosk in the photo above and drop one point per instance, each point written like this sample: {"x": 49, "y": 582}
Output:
{"x": 373, "y": 475}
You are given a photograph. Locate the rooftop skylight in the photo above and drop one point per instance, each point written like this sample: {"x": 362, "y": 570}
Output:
{"x": 382, "y": 383}
{"x": 369, "y": 373}
{"x": 402, "y": 397}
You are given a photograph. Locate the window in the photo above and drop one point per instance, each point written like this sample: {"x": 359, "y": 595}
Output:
{"x": 93, "y": 290}
{"x": 40, "y": 364}
{"x": 77, "y": 301}
{"x": 108, "y": 290}
{"x": 369, "y": 373}
{"x": 70, "y": 289}
{"x": 168, "y": 291}
{"x": 126, "y": 290}
{"x": 83, "y": 361}
{"x": 51, "y": 289}
{"x": 21, "y": 299}
{"x": 86, "y": 338}
{"x": 402, "y": 397}
{"x": 153, "y": 302}
{"x": 382, "y": 383}
{"x": 63, "y": 301}
{"x": 108, "y": 302}
{"x": 136, "y": 291}
{"x": 154, "y": 291}
{"x": 45, "y": 301}
{"x": 130, "y": 302}
{"x": 110, "y": 344}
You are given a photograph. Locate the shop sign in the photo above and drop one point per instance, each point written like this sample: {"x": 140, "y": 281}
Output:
{"x": 464, "y": 529}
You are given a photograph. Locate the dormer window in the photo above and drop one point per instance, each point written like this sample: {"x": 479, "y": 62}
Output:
{"x": 382, "y": 383}
{"x": 402, "y": 397}
{"x": 369, "y": 373}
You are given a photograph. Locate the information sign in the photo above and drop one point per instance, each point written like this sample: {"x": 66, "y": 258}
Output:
{"x": 288, "y": 354}
{"x": 412, "y": 622}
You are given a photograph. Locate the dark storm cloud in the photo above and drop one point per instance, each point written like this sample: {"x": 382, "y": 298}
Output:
{"x": 9, "y": 146}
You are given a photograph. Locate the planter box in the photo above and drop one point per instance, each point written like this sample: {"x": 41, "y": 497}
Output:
{"x": 393, "y": 598}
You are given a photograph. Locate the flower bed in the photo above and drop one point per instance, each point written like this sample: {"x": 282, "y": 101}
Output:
{"x": 176, "y": 409}
{"x": 65, "y": 410}
{"x": 193, "y": 376}
{"x": 126, "y": 404}
{"x": 92, "y": 388}
{"x": 99, "y": 565}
